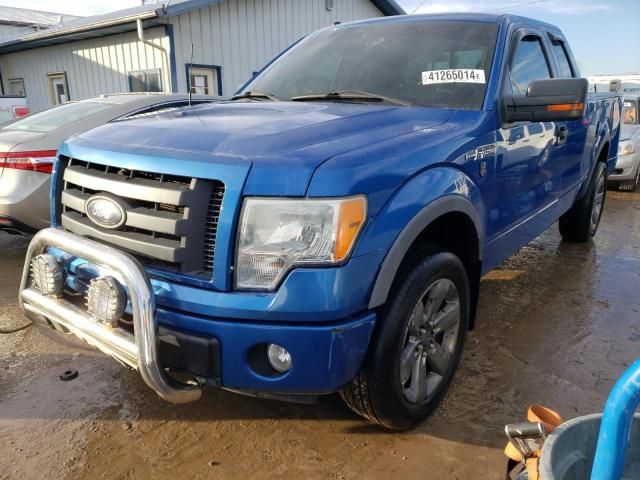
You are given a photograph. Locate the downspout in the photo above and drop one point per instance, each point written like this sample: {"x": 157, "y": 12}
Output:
{"x": 165, "y": 54}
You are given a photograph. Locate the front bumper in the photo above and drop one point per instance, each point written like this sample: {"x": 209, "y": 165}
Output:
{"x": 24, "y": 198}
{"x": 326, "y": 355}
{"x": 138, "y": 350}
{"x": 626, "y": 168}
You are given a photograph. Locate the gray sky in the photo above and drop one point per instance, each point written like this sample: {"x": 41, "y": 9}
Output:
{"x": 604, "y": 34}
{"x": 75, "y": 7}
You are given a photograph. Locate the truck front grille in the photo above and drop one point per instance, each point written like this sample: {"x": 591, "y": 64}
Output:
{"x": 171, "y": 221}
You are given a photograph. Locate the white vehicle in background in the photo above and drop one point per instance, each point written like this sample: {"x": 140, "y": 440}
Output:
{"x": 12, "y": 107}
{"x": 629, "y": 83}
{"x": 627, "y": 173}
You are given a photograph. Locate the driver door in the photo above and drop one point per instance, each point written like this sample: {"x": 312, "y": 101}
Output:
{"x": 526, "y": 182}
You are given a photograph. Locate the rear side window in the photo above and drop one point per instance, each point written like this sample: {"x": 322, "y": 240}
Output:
{"x": 528, "y": 63}
{"x": 57, "y": 117}
{"x": 562, "y": 59}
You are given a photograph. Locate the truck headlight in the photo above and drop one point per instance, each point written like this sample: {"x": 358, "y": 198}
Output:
{"x": 626, "y": 148}
{"x": 276, "y": 235}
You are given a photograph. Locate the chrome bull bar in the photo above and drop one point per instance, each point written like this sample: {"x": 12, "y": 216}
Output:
{"x": 138, "y": 350}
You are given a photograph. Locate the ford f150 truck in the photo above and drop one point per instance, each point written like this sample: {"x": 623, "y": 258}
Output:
{"x": 325, "y": 230}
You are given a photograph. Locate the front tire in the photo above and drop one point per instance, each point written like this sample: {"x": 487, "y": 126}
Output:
{"x": 581, "y": 222}
{"x": 417, "y": 344}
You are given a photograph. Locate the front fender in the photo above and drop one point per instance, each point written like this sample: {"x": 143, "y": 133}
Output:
{"x": 421, "y": 200}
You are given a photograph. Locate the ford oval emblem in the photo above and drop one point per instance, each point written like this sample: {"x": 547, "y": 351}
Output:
{"x": 105, "y": 212}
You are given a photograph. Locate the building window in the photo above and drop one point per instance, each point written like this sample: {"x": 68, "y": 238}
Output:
{"x": 204, "y": 79}
{"x": 145, "y": 81}
{"x": 58, "y": 88}
{"x": 16, "y": 87}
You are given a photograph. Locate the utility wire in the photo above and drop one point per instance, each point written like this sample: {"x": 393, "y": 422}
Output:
{"x": 522, "y": 4}
{"x": 418, "y": 7}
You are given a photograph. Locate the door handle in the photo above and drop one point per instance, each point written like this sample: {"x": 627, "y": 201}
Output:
{"x": 561, "y": 134}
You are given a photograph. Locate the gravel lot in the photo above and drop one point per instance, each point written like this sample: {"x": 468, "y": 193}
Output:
{"x": 557, "y": 324}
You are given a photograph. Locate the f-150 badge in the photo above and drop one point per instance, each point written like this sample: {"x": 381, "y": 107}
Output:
{"x": 480, "y": 153}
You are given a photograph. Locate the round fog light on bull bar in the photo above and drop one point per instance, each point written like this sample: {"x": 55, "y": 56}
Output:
{"x": 47, "y": 274}
{"x": 279, "y": 358}
{"x": 106, "y": 300}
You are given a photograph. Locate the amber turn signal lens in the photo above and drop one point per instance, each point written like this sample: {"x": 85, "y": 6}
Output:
{"x": 566, "y": 107}
{"x": 353, "y": 213}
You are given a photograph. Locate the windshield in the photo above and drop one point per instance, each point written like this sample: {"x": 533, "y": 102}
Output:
{"x": 630, "y": 113}
{"x": 57, "y": 117}
{"x": 428, "y": 63}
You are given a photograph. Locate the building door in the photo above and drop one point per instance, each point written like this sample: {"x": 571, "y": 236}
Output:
{"x": 58, "y": 90}
{"x": 203, "y": 80}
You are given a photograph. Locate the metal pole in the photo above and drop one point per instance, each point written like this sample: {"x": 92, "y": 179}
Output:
{"x": 153, "y": 45}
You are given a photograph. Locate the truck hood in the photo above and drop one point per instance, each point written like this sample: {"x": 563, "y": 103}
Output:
{"x": 282, "y": 142}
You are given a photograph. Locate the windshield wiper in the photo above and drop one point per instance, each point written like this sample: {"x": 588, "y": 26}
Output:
{"x": 254, "y": 94}
{"x": 350, "y": 95}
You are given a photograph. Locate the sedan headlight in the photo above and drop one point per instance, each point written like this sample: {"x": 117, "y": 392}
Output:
{"x": 626, "y": 148}
{"x": 276, "y": 235}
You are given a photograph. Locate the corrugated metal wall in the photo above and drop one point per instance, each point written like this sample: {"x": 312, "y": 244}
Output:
{"x": 95, "y": 66}
{"x": 243, "y": 35}
{"x": 240, "y": 36}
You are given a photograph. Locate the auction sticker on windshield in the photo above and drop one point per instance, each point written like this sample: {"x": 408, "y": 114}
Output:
{"x": 453, "y": 75}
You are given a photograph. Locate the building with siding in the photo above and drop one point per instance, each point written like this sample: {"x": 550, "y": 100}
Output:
{"x": 149, "y": 47}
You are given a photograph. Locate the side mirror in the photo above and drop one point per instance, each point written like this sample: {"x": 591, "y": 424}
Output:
{"x": 551, "y": 100}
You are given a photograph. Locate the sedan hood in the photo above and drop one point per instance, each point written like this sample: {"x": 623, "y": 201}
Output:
{"x": 282, "y": 142}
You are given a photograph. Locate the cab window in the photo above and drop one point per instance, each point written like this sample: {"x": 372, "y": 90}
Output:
{"x": 562, "y": 59}
{"x": 528, "y": 63}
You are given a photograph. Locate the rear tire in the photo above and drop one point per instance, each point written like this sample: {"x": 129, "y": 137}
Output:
{"x": 581, "y": 222}
{"x": 417, "y": 344}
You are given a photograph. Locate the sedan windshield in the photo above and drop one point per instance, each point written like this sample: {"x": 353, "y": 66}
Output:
{"x": 57, "y": 117}
{"x": 429, "y": 63}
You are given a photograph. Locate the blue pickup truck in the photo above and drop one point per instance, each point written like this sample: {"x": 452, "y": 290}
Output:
{"x": 325, "y": 230}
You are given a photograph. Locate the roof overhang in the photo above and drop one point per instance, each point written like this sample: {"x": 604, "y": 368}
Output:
{"x": 110, "y": 24}
{"x": 389, "y": 7}
{"x": 81, "y": 32}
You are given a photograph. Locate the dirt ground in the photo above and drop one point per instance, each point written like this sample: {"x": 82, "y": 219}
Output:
{"x": 557, "y": 324}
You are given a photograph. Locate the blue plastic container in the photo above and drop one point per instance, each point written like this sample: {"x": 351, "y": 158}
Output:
{"x": 602, "y": 446}
{"x": 569, "y": 451}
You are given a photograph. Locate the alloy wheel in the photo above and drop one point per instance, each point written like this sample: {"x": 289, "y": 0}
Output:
{"x": 598, "y": 204}
{"x": 430, "y": 341}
